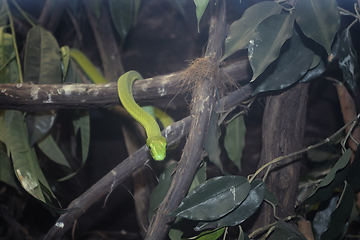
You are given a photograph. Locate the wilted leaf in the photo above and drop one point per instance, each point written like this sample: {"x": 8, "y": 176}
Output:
{"x": 286, "y": 231}
{"x": 333, "y": 179}
{"x": 340, "y": 215}
{"x": 42, "y": 57}
{"x": 201, "y": 5}
{"x": 348, "y": 60}
{"x": 214, "y": 198}
{"x": 49, "y": 147}
{"x": 211, "y": 145}
{"x": 242, "y": 212}
{"x": 39, "y": 124}
{"x": 269, "y": 36}
{"x": 234, "y": 141}
{"x": 241, "y": 31}
{"x": 122, "y": 15}
{"x": 319, "y": 20}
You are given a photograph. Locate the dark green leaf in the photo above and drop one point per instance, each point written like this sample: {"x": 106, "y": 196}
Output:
{"x": 136, "y": 10}
{"x": 175, "y": 234}
{"x": 9, "y": 71}
{"x": 122, "y": 14}
{"x": 180, "y": 6}
{"x": 160, "y": 191}
{"x": 6, "y": 170}
{"x": 199, "y": 178}
{"x": 319, "y": 20}
{"x": 285, "y": 231}
{"x": 211, "y": 145}
{"x": 241, "y": 31}
{"x": 353, "y": 177}
{"x": 242, "y": 212}
{"x": 243, "y": 236}
{"x": 49, "y": 147}
{"x": 340, "y": 215}
{"x": 322, "y": 218}
{"x": 208, "y": 235}
{"x": 270, "y": 197}
{"x": 214, "y": 198}
{"x": 201, "y": 6}
{"x": 348, "y": 60}
{"x": 96, "y": 7}
{"x": 72, "y": 75}
{"x": 42, "y": 58}
{"x": 333, "y": 179}
{"x": 265, "y": 44}
{"x": 4, "y": 13}
{"x": 39, "y": 124}
{"x": 82, "y": 122}
{"x": 234, "y": 141}
{"x": 293, "y": 62}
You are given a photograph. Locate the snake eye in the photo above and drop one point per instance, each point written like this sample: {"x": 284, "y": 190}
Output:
{"x": 166, "y": 146}
{"x": 149, "y": 147}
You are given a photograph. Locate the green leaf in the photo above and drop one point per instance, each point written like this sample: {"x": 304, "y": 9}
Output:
{"x": 241, "y": 31}
{"x": 42, "y": 57}
{"x": 9, "y": 71}
{"x": 214, "y": 198}
{"x": 96, "y": 7}
{"x": 200, "y": 177}
{"x": 234, "y": 141}
{"x": 4, "y": 13}
{"x": 322, "y": 218}
{"x": 65, "y": 61}
{"x": 293, "y": 63}
{"x": 286, "y": 231}
{"x": 137, "y": 4}
{"x": 6, "y": 170}
{"x": 319, "y": 20}
{"x": 81, "y": 122}
{"x": 208, "y": 235}
{"x": 39, "y": 124}
{"x": 49, "y": 147}
{"x": 201, "y": 6}
{"x": 24, "y": 159}
{"x": 340, "y": 215}
{"x": 180, "y": 5}
{"x": 211, "y": 145}
{"x": 265, "y": 44}
{"x": 122, "y": 15}
{"x": 333, "y": 179}
{"x": 160, "y": 191}
{"x": 353, "y": 177}
{"x": 246, "y": 209}
{"x": 348, "y": 60}
{"x": 270, "y": 197}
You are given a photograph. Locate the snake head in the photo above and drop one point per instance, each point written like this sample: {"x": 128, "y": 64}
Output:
{"x": 157, "y": 147}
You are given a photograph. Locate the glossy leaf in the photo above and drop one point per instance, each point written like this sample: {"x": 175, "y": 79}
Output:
{"x": 340, "y": 215}
{"x": 6, "y": 170}
{"x": 265, "y": 44}
{"x": 234, "y": 141}
{"x": 353, "y": 177}
{"x": 122, "y": 15}
{"x": 293, "y": 62}
{"x": 348, "y": 60}
{"x": 333, "y": 179}
{"x": 208, "y": 235}
{"x": 211, "y": 145}
{"x": 82, "y": 122}
{"x": 214, "y": 198}
{"x": 96, "y": 7}
{"x": 241, "y": 31}
{"x": 160, "y": 191}
{"x": 322, "y": 218}
{"x": 42, "y": 57}
{"x": 49, "y": 147}
{"x": 65, "y": 61}
{"x": 201, "y": 6}
{"x": 286, "y": 231}
{"x": 319, "y": 20}
{"x": 24, "y": 159}
{"x": 246, "y": 209}
{"x": 39, "y": 124}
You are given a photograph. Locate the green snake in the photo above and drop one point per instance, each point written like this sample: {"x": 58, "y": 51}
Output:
{"x": 155, "y": 142}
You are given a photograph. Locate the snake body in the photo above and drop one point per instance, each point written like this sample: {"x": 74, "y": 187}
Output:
{"x": 155, "y": 142}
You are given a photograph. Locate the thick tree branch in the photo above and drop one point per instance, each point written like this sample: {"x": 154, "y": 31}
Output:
{"x": 32, "y": 97}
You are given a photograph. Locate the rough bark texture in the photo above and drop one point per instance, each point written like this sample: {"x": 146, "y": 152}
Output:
{"x": 283, "y": 130}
